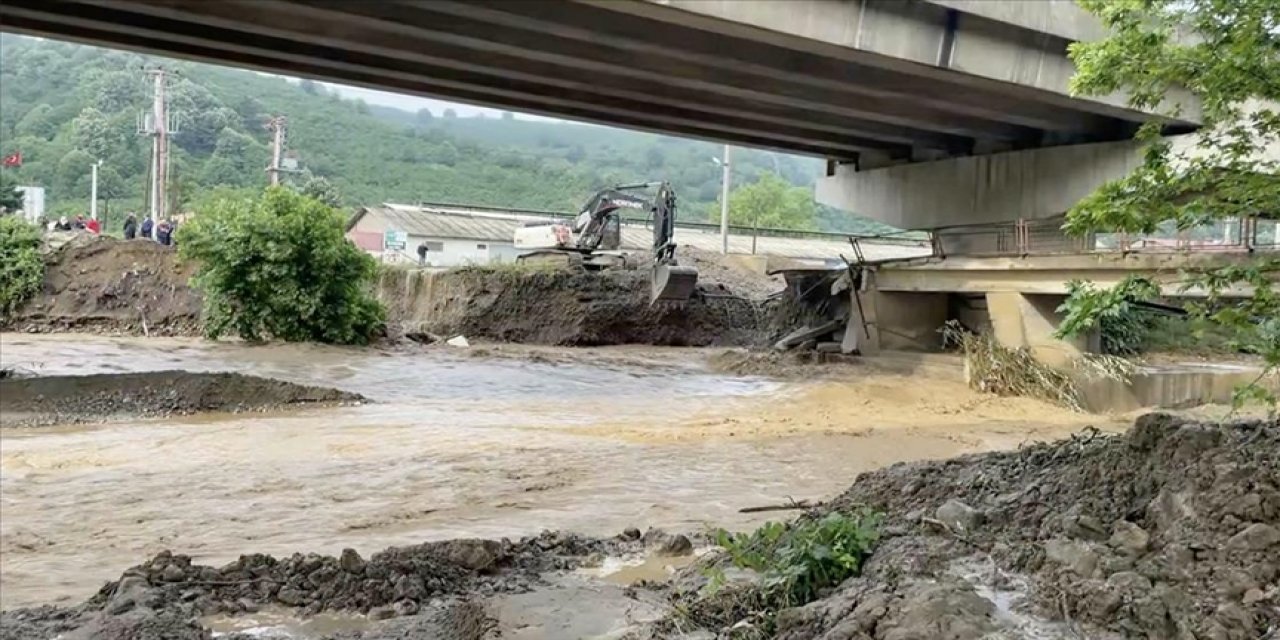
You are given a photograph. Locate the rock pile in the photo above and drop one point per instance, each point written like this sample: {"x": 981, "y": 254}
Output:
{"x": 1171, "y": 531}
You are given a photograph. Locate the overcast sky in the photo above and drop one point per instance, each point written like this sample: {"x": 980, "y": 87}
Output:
{"x": 413, "y": 103}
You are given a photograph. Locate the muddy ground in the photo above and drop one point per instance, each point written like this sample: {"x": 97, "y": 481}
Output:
{"x": 71, "y": 399}
{"x": 566, "y": 308}
{"x": 1170, "y": 531}
{"x": 99, "y": 284}
{"x": 105, "y": 285}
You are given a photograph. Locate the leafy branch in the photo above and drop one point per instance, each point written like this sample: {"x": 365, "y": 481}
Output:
{"x": 1172, "y": 56}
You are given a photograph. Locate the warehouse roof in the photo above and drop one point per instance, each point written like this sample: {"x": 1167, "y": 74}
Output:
{"x": 499, "y": 225}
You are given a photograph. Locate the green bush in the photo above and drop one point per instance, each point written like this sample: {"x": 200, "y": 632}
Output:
{"x": 21, "y": 266}
{"x": 278, "y": 266}
{"x": 799, "y": 560}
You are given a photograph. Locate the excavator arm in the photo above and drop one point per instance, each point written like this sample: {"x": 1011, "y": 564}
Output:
{"x": 668, "y": 281}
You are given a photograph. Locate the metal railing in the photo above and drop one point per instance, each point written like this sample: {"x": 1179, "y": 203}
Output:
{"x": 1045, "y": 236}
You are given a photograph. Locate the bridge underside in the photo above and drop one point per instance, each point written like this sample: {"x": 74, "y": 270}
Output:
{"x": 627, "y": 63}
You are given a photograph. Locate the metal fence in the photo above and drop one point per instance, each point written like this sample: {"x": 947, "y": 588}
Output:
{"x": 1045, "y": 237}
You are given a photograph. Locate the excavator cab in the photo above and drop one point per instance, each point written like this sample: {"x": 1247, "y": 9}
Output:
{"x": 668, "y": 281}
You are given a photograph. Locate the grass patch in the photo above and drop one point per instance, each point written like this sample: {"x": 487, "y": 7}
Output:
{"x": 797, "y": 563}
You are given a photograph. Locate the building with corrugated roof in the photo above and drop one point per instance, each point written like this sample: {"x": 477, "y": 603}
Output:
{"x": 465, "y": 234}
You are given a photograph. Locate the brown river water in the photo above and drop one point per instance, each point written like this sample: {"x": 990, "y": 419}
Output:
{"x": 455, "y": 443}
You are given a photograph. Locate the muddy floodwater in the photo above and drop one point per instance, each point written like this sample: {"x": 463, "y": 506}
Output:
{"x": 455, "y": 443}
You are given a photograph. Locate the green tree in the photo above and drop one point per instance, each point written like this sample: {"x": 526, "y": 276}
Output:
{"x": 1225, "y": 52}
{"x": 319, "y": 188}
{"x": 233, "y": 160}
{"x": 21, "y": 267}
{"x": 769, "y": 202}
{"x": 278, "y": 266}
{"x": 10, "y": 196}
{"x": 91, "y": 133}
{"x": 38, "y": 123}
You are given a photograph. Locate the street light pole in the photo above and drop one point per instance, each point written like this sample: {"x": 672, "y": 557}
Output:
{"x": 724, "y": 202}
{"x": 93, "y": 191}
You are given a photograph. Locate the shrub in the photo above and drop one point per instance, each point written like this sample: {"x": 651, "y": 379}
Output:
{"x": 21, "y": 266}
{"x": 798, "y": 560}
{"x": 279, "y": 266}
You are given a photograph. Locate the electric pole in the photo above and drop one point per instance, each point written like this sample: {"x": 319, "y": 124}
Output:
{"x": 276, "y": 125}
{"x": 724, "y": 202}
{"x": 156, "y": 125}
{"x": 93, "y": 191}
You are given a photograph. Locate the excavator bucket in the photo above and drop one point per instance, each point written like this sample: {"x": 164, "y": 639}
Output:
{"x": 671, "y": 282}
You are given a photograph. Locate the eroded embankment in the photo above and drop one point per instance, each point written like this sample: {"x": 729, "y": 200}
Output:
{"x": 570, "y": 308}
{"x": 104, "y": 285}
{"x": 46, "y": 400}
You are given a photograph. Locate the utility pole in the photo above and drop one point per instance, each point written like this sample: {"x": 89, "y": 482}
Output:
{"x": 724, "y": 202}
{"x": 93, "y": 191}
{"x": 276, "y": 125}
{"x": 156, "y": 125}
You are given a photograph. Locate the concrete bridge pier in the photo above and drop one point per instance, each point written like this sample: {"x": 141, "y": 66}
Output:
{"x": 1021, "y": 320}
{"x": 911, "y": 321}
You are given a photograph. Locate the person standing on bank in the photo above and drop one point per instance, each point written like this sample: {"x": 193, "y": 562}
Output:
{"x": 130, "y": 227}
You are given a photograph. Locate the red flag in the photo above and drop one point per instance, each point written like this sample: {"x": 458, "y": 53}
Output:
{"x": 13, "y": 160}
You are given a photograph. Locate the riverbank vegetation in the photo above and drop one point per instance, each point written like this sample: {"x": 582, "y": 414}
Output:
{"x": 1231, "y": 172}
{"x": 21, "y": 266}
{"x": 278, "y": 266}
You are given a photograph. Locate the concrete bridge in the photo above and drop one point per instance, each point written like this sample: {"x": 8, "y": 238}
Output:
{"x": 861, "y": 82}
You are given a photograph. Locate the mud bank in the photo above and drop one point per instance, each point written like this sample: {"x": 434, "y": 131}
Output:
{"x": 105, "y": 285}
{"x": 422, "y": 584}
{"x": 567, "y": 308}
{"x": 47, "y": 400}
{"x": 1169, "y": 531}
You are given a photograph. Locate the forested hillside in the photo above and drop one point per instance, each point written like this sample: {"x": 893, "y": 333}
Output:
{"x": 63, "y": 105}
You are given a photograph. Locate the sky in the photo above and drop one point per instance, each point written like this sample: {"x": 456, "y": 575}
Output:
{"x": 413, "y": 103}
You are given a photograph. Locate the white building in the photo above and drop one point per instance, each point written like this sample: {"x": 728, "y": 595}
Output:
{"x": 458, "y": 235}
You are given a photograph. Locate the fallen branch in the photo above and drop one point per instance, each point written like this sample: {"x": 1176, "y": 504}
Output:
{"x": 803, "y": 504}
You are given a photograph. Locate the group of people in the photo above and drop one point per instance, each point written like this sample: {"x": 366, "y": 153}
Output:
{"x": 78, "y": 224}
{"x": 162, "y": 232}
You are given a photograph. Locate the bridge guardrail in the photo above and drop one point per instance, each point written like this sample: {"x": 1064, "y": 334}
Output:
{"x": 1045, "y": 236}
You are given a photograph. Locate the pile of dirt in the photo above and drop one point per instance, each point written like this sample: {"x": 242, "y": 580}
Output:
{"x": 723, "y": 273}
{"x": 46, "y": 400}
{"x": 106, "y": 285}
{"x": 161, "y": 597}
{"x": 564, "y": 307}
{"x": 1169, "y": 531}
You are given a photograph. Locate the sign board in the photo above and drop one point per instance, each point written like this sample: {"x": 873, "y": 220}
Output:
{"x": 393, "y": 240}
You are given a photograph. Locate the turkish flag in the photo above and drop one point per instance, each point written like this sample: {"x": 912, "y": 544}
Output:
{"x": 13, "y": 160}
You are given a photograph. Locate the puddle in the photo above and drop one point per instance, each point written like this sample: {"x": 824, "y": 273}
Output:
{"x": 275, "y": 623}
{"x": 629, "y": 571}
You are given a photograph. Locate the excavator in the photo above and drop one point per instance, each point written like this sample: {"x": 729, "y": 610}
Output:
{"x": 594, "y": 239}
